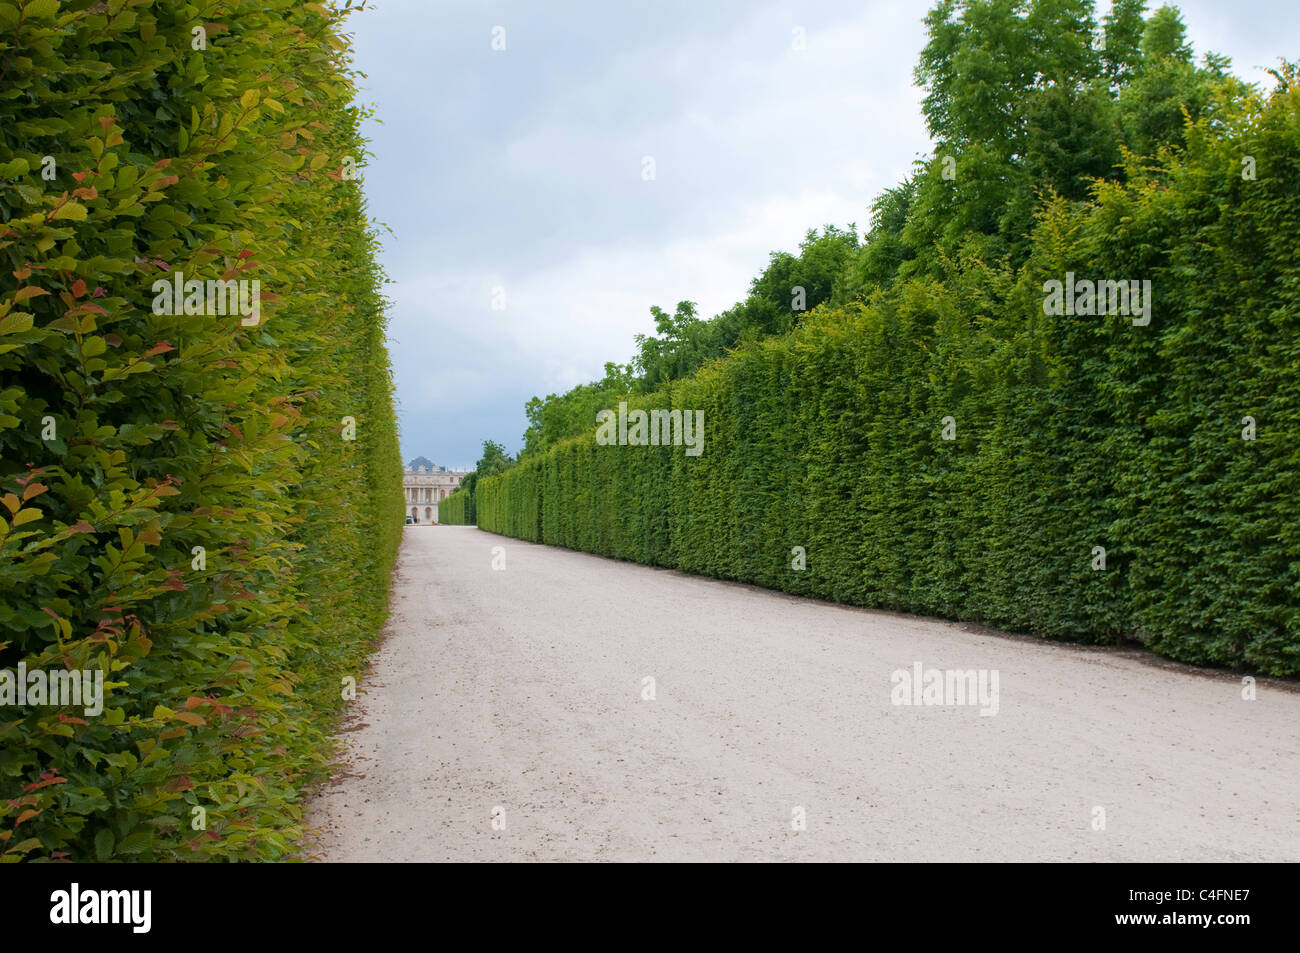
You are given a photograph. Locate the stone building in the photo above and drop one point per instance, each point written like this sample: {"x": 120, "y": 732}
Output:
{"x": 424, "y": 487}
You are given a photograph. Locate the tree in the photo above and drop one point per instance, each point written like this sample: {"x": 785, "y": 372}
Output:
{"x": 494, "y": 460}
{"x": 1166, "y": 84}
{"x": 819, "y": 264}
{"x": 877, "y": 261}
{"x": 1166, "y": 36}
{"x": 1122, "y": 54}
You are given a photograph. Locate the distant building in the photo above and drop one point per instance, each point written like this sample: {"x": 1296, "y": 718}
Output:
{"x": 424, "y": 485}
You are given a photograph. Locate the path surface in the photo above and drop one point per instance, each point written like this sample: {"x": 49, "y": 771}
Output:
{"x": 520, "y": 691}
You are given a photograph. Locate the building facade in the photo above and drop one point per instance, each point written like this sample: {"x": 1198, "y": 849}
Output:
{"x": 424, "y": 487}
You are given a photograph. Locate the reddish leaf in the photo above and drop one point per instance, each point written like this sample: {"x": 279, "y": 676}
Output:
{"x": 183, "y": 783}
{"x": 47, "y": 778}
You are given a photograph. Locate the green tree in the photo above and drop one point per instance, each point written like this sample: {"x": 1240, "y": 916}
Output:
{"x": 494, "y": 460}
{"x": 1124, "y": 26}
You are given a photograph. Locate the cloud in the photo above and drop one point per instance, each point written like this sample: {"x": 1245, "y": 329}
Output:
{"x": 522, "y": 169}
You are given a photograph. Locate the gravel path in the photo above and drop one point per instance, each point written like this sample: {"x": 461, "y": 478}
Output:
{"x": 504, "y": 719}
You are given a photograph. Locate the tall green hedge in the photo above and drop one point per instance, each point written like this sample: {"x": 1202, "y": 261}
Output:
{"x": 138, "y": 139}
{"x": 1071, "y": 432}
{"x": 454, "y": 509}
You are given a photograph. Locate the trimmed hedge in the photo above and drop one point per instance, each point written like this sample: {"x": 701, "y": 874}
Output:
{"x": 221, "y": 149}
{"x": 1072, "y": 432}
{"x": 454, "y": 509}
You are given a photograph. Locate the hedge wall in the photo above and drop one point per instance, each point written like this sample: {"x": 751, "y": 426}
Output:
{"x": 1071, "y": 432}
{"x": 454, "y": 509}
{"x": 139, "y": 139}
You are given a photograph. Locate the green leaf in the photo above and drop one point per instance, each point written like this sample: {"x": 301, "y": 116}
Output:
{"x": 15, "y": 322}
{"x": 136, "y": 843}
{"x": 72, "y": 211}
{"x": 103, "y": 844}
{"x": 28, "y": 515}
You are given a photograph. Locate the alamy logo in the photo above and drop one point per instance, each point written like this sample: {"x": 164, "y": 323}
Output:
{"x": 103, "y": 906}
{"x": 61, "y": 688}
{"x": 1100, "y": 297}
{"x": 657, "y": 428}
{"x": 954, "y": 686}
{"x": 212, "y": 297}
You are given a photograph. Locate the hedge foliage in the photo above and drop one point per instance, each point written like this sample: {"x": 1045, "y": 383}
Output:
{"x": 219, "y": 142}
{"x": 1024, "y": 99}
{"x": 1071, "y": 432}
{"x": 455, "y": 509}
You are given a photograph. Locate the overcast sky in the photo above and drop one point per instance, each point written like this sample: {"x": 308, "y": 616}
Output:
{"x": 522, "y": 169}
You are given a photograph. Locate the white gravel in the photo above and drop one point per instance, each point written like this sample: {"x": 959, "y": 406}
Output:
{"x": 521, "y": 690}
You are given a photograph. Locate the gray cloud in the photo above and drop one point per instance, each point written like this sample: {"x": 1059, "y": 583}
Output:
{"x": 522, "y": 169}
